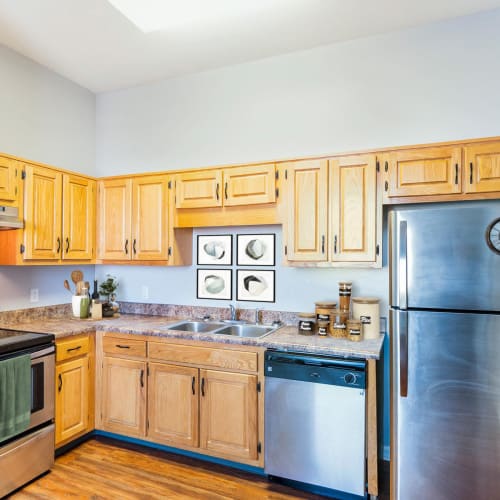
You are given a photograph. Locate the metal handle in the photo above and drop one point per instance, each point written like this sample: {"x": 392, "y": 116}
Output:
{"x": 386, "y": 186}
{"x": 217, "y": 191}
{"x": 77, "y": 348}
{"x": 471, "y": 167}
{"x": 122, "y": 346}
{"x": 203, "y": 386}
{"x": 225, "y": 190}
{"x": 59, "y": 389}
{"x": 323, "y": 244}
{"x": 456, "y": 173}
{"x": 58, "y": 245}
{"x": 335, "y": 244}
{"x": 403, "y": 264}
{"x": 134, "y": 246}
{"x": 142, "y": 378}
{"x": 192, "y": 384}
{"x": 67, "y": 245}
{"x": 403, "y": 354}
{"x": 126, "y": 247}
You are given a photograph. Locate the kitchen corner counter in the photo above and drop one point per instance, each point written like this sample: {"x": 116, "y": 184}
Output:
{"x": 285, "y": 338}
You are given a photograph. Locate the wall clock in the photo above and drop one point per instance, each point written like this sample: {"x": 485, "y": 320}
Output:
{"x": 493, "y": 235}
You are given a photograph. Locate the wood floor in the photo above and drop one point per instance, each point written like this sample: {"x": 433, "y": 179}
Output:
{"x": 107, "y": 469}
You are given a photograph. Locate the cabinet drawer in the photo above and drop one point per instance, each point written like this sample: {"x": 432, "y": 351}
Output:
{"x": 72, "y": 347}
{"x": 124, "y": 347}
{"x": 207, "y": 356}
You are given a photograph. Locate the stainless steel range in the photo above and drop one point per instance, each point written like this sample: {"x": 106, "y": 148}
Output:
{"x": 30, "y": 451}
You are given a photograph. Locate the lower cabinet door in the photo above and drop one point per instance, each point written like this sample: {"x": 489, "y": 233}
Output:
{"x": 228, "y": 413}
{"x": 173, "y": 404}
{"x": 124, "y": 396}
{"x": 72, "y": 399}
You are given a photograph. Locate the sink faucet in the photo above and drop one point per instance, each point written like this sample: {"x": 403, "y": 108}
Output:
{"x": 233, "y": 312}
{"x": 257, "y": 316}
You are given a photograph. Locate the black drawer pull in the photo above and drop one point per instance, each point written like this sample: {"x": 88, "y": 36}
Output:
{"x": 74, "y": 348}
{"x": 59, "y": 389}
{"x": 122, "y": 346}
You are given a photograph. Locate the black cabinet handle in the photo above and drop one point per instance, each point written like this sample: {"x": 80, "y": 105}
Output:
{"x": 126, "y": 247}
{"x": 142, "y": 378}
{"x": 386, "y": 186}
{"x": 456, "y": 173}
{"x": 77, "y": 348}
{"x": 58, "y": 245}
{"x": 192, "y": 384}
{"x": 323, "y": 244}
{"x": 335, "y": 244}
{"x": 203, "y": 386}
{"x": 471, "y": 168}
{"x": 122, "y": 346}
{"x": 225, "y": 190}
{"x": 67, "y": 245}
{"x": 133, "y": 246}
{"x": 59, "y": 389}
{"x": 217, "y": 191}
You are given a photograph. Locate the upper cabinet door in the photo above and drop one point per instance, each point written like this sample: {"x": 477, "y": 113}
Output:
{"x": 482, "y": 168}
{"x": 307, "y": 222}
{"x": 43, "y": 202}
{"x": 424, "y": 171}
{"x": 199, "y": 189}
{"x": 353, "y": 209}
{"x": 9, "y": 175}
{"x": 78, "y": 217}
{"x": 249, "y": 185}
{"x": 115, "y": 201}
{"x": 150, "y": 218}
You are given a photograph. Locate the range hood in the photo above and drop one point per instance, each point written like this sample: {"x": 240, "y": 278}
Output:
{"x": 9, "y": 218}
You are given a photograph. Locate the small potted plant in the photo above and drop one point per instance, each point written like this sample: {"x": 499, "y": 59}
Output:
{"x": 107, "y": 289}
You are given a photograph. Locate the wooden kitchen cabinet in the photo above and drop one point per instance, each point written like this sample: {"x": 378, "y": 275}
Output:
{"x": 482, "y": 168}
{"x": 123, "y": 399}
{"x": 10, "y": 173}
{"x": 198, "y": 189}
{"x": 228, "y": 414}
{"x": 133, "y": 219}
{"x": 307, "y": 213}
{"x": 74, "y": 394}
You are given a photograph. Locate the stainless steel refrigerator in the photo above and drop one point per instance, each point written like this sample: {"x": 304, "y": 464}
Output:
{"x": 445, "y": 348}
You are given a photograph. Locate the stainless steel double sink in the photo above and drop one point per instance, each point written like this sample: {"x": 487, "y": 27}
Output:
{"x": 238, "y": 329}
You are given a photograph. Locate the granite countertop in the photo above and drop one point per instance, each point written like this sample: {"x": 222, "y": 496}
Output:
{"x": 285, "y": 338}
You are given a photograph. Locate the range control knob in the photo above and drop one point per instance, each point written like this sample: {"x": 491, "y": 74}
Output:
{"x": 350, "y": 378}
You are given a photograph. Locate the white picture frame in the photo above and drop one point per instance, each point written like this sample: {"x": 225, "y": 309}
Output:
{"x": 255, "y": 285}
{"x": 214, "y": 284}
{"x": 256, "y": 249}
{"x": 215, "y": 250}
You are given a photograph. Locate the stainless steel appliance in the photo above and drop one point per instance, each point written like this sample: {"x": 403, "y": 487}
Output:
{"x": 445, "y": 335}
{"x": 31, "y": 453}
{"x": 315, "y": 420}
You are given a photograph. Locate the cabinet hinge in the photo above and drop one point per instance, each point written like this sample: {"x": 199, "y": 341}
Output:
{"x": 22, "y": 248}
{"x": 386, "y": 168}
{"x": 170, "y": 251}
{"x": 258, "y": 387}
{"x": 378, "y": 166}
{"x": 286, "y": 249}
{"x": 277, "y": 175}
{"x": 169, "y": 184}
{"x": 23, "y": 174}
{"x": 377, "y": 249}
{"x": 259, "y": 447}
{"x": 277, "y": 192}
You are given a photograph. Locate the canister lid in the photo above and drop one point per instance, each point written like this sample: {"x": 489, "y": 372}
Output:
{"x": 365, "y": 300}
{"x": 307, "y": 315}
{"x": 326, "y": 303}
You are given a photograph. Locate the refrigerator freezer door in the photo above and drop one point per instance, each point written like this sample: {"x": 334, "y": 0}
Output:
{"x": 440, "y": 258}
{"x": 445, "y": 433}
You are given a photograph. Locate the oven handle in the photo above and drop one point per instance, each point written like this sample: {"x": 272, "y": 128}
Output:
{"x": 43, "y": 352}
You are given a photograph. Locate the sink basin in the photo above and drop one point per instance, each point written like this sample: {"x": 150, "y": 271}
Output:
{"x": 245, "y": 330}
{"x": 195, "y": 326}
{"x": 235, "y": 321}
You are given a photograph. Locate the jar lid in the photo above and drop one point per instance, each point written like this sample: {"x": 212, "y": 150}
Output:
{"x": 326, "y": 303}
{"x": 345, "y": 283}
{"x": 353, "y": 322}
{"x": 365, "y": 300}
{"x": 307, "y": 315}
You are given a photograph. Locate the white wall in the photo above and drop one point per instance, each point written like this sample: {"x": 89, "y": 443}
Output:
{"x": 46, "y": 118}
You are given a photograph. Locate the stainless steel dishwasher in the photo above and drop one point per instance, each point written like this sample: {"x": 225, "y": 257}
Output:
{"x": 315, "y": 420}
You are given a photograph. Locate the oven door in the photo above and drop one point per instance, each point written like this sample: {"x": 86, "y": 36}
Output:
{"x": 42, "y": 386}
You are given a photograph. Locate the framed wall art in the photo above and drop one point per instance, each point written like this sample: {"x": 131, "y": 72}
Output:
{"x": 214, "y": 284}
{"x": 215, "y": 250}
{"x": 256, "y": 249}
{"x": 256, "y": 285}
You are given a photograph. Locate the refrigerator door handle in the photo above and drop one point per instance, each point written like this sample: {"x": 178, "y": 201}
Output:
{"x": 403, "y": 353}
{"x": 403, "y": 265}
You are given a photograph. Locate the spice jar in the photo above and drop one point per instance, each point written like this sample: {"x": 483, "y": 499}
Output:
{"x": 338, "y": 324}
{"x": 323, "y": 327}
{"x": 345, "y": 288}
{"x": 307, "y": 323}
{"x": 367, "y": 310}
{"x": 354, "y": 330}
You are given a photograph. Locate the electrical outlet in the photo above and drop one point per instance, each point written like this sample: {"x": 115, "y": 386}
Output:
{"x": 145, "y": 292}
{"x": 33, "y": 294}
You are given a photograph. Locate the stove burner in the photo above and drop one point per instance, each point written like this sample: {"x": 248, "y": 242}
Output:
{"x": 15, "y": 340}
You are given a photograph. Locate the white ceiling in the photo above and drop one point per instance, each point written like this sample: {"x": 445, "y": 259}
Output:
{"x": 93, "y": 44}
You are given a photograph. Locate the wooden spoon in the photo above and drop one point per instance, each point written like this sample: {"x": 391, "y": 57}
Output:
{"x": 76, "y": 276}
{"x": 66, "y": 285}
